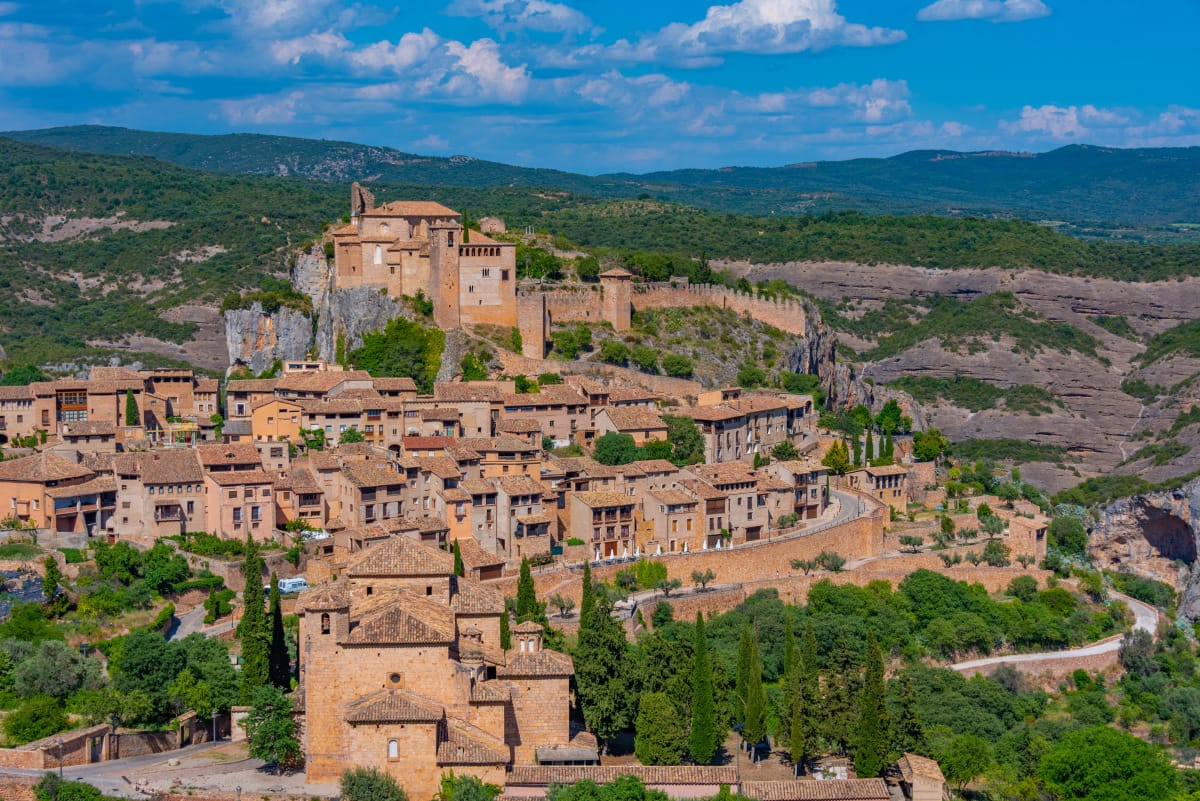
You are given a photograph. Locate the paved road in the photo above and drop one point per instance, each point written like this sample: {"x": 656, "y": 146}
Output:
{"x": 1145, "y": 619}
{"x": 187, "y": 623}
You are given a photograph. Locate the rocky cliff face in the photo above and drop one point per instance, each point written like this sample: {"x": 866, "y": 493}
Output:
{"x": 1155, "y": 535}
{"x": 256, "y": 339}
{"x": 349, "y": 314}
{"x": 311, "y": 275}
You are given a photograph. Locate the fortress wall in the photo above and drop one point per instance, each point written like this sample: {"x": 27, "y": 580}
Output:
{"x": 786, "y": 315}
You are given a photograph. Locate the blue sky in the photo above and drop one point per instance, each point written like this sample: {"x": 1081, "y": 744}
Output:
{"x": 607, "y": 85}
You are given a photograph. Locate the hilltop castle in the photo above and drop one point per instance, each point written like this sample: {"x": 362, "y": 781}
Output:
{"x": 411, "y": 247}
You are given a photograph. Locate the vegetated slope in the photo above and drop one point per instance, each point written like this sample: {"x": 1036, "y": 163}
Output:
{"x": 1078, "y": 183}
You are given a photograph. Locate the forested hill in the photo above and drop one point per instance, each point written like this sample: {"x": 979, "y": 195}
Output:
{"x": 1079, "y": 183}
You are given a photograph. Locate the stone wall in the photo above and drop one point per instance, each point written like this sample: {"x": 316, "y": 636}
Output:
{"x": 786, "y": 315}
{"x": 43, "y": 754}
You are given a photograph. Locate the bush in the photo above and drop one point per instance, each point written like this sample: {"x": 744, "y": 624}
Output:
{"x": 52, "y": 788}
{"x": 646, "y": 358}
{"x": 73, "y": 555}
{"x": 614, "y": 351}
{"x": 677, "y": 366}
{"x": 368, "y": 784}
{"x": 40, "y": 716}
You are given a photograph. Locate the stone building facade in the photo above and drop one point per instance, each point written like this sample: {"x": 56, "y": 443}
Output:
{"x": 402, "y": 670}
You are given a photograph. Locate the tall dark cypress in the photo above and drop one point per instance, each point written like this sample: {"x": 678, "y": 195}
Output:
{"x": 756, "y": 697}
{"x": 872, "y": 737}
{"x": 280, "y": 664}
{"x": 809, "y": 691}
{"x": 527, "y": 602}
{"x": 588, "y": 599}
{"x": 252, "y": 630}
{"x": 459, "y": 569}
{"x": 704, "y": 737}
{"x": 505, "y": 632}
{"x": 789, "y": 647}
{"x": 869, "y": 453}
{"x": 743, "y": 672}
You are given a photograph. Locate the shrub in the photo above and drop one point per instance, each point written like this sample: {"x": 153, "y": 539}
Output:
{"x": 677, "y": 366}
{"x": 40, "y": 716}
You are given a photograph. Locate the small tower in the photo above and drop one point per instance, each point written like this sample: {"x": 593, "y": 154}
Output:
{"x": 617, "y": 288}
{"x": 324, "y": 621}
{"x": 445, "y": 236}
{"x": 527, "y": 637}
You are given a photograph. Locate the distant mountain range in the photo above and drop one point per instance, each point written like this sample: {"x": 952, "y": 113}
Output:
{"x": 1079, "y": 184}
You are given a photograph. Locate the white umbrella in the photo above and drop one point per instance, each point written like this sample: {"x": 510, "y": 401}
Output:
{"x": 625, "y": 553}
{"x": 658, "y": 550}
{"x": 704, "y": 545}
{"x": 637, "y": 552}
{"x": 597, "y": 554}
{"x": 718, "y": 545}
{"x": 685, "y": 547}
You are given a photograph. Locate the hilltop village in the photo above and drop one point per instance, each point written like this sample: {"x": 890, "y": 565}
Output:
{"x": 411, "y": 515}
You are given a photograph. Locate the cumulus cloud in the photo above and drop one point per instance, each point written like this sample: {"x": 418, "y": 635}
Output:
{"x": 614, "y": 90}
{"x": 291, "y": 51}
{"x": 261, "y": 111}
{"x": 412, "y": 48}
{"x": 994, "y": 10}
{"x": 1065, "y": 122}
{"x": 765, "y": 27}
{"x": 481, "y": 73}
{"x": 536, "y": 15}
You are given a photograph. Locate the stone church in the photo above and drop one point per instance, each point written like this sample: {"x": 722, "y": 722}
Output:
{"x": 411, "y": 247}
{"x": 401, "y": 670}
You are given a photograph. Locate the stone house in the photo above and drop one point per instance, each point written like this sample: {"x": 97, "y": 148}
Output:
{"x": 401, "y": 670}
{"x": 672, "y": 519}
{"x": 643, "y": 424}
{"x": 888, "y": 483}
{"x": 605, "y": 521}
{"x": 809, "y": 482}
{"x": 560, "y": 410}
{"x": 275, "y": 420}
{"x": 159, "y": 493}
{"x": 241, "y": 503}
{"x": 47, "y": 490}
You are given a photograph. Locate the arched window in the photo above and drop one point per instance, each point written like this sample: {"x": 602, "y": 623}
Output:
{"x": 379, "y": 254}
{"x": 393, "y": 749}
{"x": 325, "y": 623}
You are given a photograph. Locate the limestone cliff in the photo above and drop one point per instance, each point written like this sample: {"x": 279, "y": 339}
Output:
{"x": 350, "y": 313}
{"x": 1154, "y": 535}
{"x": 256, "y": 339}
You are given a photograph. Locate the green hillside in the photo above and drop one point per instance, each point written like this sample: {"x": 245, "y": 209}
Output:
{"x": 1106, "y": 188}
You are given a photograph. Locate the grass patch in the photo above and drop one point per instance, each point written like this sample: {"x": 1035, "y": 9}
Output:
{"x": 19, "y": 550}
{"x": 1182, "y": 340}
{"x": 1160, "y": 452}
{"x": 73, "y": 555}
{"x": 1006, "y": 449}
{"x": 1116, "y": 325}
{"x": 976, "y": 395}
{"x": 1142, "y": 390}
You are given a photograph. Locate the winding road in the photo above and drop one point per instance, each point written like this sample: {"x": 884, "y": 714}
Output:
{"x": 1145, "y": 619}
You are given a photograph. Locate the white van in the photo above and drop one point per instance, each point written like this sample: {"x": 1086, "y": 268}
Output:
{"x": 288, "y": 586}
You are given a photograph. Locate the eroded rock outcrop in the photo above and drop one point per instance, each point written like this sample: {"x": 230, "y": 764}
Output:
{"x": 348, "y": 314}
{"x": 1154, "y": 535}
{"x": 256, "y": 338}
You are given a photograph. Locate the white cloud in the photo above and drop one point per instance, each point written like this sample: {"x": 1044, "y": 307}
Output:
{"x": 259, "y": 111}
{"x": 8, "y": 8}
{"x": 412, "y": 48}
{"x": 994, "y": 10}
{"x": 431, "y": 142}
{"x": 325, "y": 45}
{"x": 480, "y": 73}
{"x": 536, "y": 15}
{"x": 614, "y": 90}
{"x": 1066, "y": 122}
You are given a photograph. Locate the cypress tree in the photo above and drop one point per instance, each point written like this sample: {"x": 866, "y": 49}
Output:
{"x": 857, "y": 454}
{"x": 505, "y": 632}
{"x": 588, "y": 600}
{"x": 527, "y": 602}
{"x": 601, "y": 675}
{"x": 252, "y": 630}
{"x": 280, "y": 665}
{"x": 704, "y": 738}
{"x": 869, "y": 456}
{"x": 743, "y": 672}
{"x": 798, "y": 735}
{"x": 789, "y": 648}
{"x": 131, "y": 409}
{"x": 756, "y": 698}
{"x": 908, "y": 733}
{"x": 459, "y": 568}
{"x": 809, "y": 691}
{"x": 872, "y": 742}
{"x": 889, "y": 447}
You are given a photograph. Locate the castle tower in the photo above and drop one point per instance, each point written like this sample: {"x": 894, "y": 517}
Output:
{"x": 533, "y": 321}
{"x": 617, "y": 288}
{"x": 445, "y": 237}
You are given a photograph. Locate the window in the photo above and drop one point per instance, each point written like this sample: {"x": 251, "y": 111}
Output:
{"x": 379, "y": 254}
{"x": 325, "y": 623}
{"x": 393, "y": 749}
{"x": 486, "y": 272}
{"x": 429, "y": 590}
{"x": 450, "y": 239}
{"x": 504, "y": 275}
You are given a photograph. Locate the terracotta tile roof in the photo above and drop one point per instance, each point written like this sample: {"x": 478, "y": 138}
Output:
{"x": 473, "y": 598}
{"x": 520, "y": 485}
{"x": 99, "y": 462}
{"x": 528, "y": 627}
{"x": 413, "y": 208}
{"x": 440, "y": 466}
{"x": 368, "y": 474}
{"x": 250, "y": 385}
{"x": 536, "y": 519}
{"x": 469, "y": 391}
{"x": 724, "y": 473}
{"x": 428, "y": 443}
{"x": 813, "y": 790}
{"x": 41, "y": 468}
{"x": 770, "y": 484}
{"x": 537, "y": 663}
{"x": 655, "y": 466}
{"x": 460, "y": 743}
{"x": 394, "y": 706}
{"x": 545, "y": 775}
{"x": 324, "y": 598}
{"x": 490, "y": 692}
{"x": 551, "y": 395}
{"x": 204, "y": 385}
{"x": 89, "y": 428}
{"x": 95, "y": 485}
{"x": 703, "y": 491}
{"x": 886, "y": 470}
{"x": 282, "y": 402}
{"x": 346, "y": 230}
{"x": 455, "y": 495}
{"x": 518, "y": 425}
{"x": 327, "y": 406}
{"x": 405, "y": 620}
{"x": 167, "y": 466}
{"x": 394, "y": 384}
{"x": 912, "y": 765}
{"x": 301, "y": 480}
{"x": 803, "y": 466}
{"x": 710, "y": 414}
{"x": 751, "y": 404}
{"x": 602, "y": 499}
{"x": 420, "y": 524}
{"x": 220, "y": 454}
{"x": 364, "y": 394}
{"x": 502, "y": 444}
{"x": 403, "y": 556}
{"x": 671, "y": 497}
{"x": 323, "y": 460}
{"x": 616, "y": 272}
{"x": 634, "y": 418}
{"x": 228, "y": 478}
{"x": 16, "y": 393}
{"x": 477, "y": 486}
{"x": 473, "y": 555}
